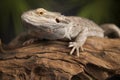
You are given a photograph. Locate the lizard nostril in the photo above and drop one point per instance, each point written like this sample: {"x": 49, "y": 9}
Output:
{"x": 57, "y": 20}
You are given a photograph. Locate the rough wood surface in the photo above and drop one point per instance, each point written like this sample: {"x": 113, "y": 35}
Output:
{"x": 50, "y": 60}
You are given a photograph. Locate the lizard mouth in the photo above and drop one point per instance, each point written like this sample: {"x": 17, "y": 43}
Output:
{"x": 37, "y": 21}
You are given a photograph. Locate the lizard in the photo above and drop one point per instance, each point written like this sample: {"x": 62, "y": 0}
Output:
{"x": 44, "y": 24}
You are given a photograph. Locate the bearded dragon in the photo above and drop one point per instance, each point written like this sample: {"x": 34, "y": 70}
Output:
{"x": 43, "y": 24}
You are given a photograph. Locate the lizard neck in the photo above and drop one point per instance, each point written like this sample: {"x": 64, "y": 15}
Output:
{"x": 68, "y": 31}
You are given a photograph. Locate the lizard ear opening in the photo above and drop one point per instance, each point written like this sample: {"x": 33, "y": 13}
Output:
{"x": 57, "y": 20}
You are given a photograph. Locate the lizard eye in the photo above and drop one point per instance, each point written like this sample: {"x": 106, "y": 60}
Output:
{"x": 41, "y": 13}
{"x": 57, "y": 20}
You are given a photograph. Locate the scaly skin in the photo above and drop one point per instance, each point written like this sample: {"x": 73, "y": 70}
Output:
{"x": 43, "y": 24}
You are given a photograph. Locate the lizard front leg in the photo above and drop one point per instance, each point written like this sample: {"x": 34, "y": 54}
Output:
{"x": 79, "y": 42}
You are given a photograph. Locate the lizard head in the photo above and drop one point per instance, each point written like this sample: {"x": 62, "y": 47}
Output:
{"x": 47, "y": 23}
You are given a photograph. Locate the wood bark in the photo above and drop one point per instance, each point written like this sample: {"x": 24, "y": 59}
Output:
{"x": 50, "y": 60}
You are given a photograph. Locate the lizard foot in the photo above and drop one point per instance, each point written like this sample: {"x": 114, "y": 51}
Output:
{"x": 30, "y": 41}
{"x": 75, "y": 47}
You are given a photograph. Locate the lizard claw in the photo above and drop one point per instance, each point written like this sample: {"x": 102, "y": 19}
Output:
{"x": 30, "y": 41}
{"x": 75, "y": 47}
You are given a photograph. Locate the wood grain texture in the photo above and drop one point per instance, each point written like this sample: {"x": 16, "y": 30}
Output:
{"x": 50, "y": 60}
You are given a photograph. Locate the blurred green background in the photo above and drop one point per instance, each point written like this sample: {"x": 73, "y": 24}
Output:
{"x": 100, "y": 11}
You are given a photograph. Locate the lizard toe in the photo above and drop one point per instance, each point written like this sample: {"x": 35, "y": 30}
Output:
{"x": 75, "y": 47}
{"x": 30, "y": 41}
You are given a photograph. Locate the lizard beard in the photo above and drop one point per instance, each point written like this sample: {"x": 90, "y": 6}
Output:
{"x": 68, "y": 31}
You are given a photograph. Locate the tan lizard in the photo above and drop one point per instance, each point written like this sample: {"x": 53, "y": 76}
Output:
{"x": 43, "y": 24}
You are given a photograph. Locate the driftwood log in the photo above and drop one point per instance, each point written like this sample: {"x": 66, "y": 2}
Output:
{"x": 50, "y": 60}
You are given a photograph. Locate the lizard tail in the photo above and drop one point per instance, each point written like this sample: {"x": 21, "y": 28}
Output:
{"x": 111, "y": 30}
